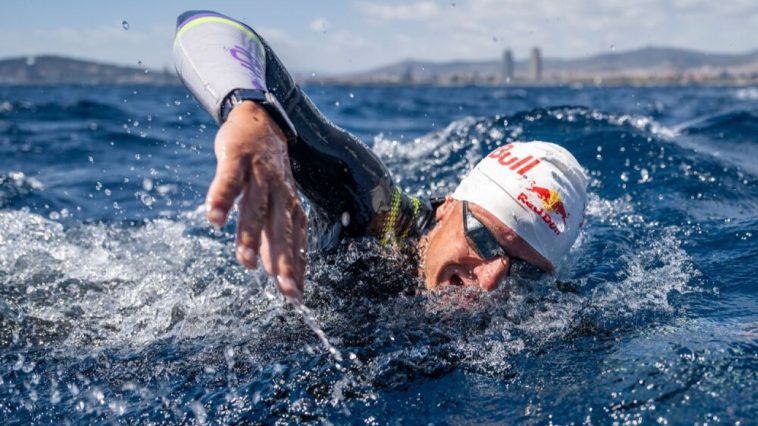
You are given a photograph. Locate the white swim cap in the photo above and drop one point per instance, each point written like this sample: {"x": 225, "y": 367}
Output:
{"x": 537, "y": 189}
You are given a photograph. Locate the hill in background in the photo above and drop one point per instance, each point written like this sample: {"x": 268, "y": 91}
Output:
{"x": 49, "y": 69}
{"x": 645, "y": 65}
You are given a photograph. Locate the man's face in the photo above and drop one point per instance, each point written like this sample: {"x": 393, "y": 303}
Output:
{"x": 450, "y": 260}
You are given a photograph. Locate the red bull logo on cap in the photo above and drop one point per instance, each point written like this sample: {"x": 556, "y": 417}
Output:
{"x": 551, "y": 204}
{"x": 551, "y": 200}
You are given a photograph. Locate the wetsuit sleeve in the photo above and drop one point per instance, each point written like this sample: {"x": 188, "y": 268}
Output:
{"x": 348, "y": 187}
{"x": 214, "y": 55}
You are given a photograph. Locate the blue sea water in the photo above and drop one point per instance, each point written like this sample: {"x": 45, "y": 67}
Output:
{"x": 120, "y": 304}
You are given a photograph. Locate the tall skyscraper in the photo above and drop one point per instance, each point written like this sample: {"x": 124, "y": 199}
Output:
{"x": 507, "y": 76}
{"x": 536, "y": 64}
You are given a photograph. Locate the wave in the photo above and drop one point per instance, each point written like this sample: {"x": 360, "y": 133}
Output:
{"x": 441, "y": 158}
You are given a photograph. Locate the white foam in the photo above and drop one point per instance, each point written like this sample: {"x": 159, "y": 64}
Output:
{"x": 131, "y": 285}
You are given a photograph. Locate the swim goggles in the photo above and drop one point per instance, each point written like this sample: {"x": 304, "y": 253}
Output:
{"x": 485, "y": 244}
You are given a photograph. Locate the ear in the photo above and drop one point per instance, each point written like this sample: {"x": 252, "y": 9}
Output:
{"x": 444, "y": 209}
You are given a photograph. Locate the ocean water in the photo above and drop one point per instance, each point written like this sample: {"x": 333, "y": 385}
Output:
{"x": 120, "y": 304}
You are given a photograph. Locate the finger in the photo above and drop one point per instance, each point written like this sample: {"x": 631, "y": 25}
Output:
{"x": 226, "y": 186}
{"x": 289, "y": 289}
{"x": 253, "y": 207}
{"x": 279, "y": 234}
{"x": 300, "y": 246}
{"x": 287, "y": 285}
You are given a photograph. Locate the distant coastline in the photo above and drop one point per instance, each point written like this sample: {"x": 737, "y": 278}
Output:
{"x": 645, "y": 66}
{"x": 60, "y": 70}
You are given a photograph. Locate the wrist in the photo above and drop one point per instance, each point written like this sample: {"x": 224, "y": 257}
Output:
{"x": 267, "y": 102}
{"x": 248, "y": 109}
{"x": 255, "y": 120}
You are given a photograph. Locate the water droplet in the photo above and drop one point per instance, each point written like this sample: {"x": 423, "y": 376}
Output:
{"x": 352, "y": 96}
{"x": 124, "y": 25}
{"x": 198, "y": 411}
{"x": 73, "y": 389}
{"x": 613, "y": 48}
{"x": 644, "y": 176}
{"x": 99, "y": 396}
{"x": 146, "y": 199}
{"x": 147, "y": 184}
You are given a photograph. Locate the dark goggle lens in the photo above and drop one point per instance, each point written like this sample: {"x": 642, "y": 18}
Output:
{"x": 487, "y": 247}
{"x": 479, "y": 237}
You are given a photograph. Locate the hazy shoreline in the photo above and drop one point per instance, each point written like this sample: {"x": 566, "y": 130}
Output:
{"x": 650, "y": 66}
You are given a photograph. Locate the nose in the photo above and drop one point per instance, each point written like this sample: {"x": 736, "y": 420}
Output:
{"x": 489, "y": 272}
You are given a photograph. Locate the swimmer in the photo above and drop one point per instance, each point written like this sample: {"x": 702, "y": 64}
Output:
{"x": 523, "y": 203}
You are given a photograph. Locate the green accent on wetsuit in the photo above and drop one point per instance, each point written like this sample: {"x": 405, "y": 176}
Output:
{"x": 389, "y": 230}
{"x": 400, "y": 222}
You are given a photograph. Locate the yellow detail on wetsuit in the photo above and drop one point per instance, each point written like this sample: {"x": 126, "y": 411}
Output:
{"x": 415, "y": 210}
{"x": 207, "y": 19}
{"x": 390, "y": 221}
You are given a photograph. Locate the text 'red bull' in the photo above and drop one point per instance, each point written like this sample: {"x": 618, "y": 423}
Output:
{"x": 551, "y": 201}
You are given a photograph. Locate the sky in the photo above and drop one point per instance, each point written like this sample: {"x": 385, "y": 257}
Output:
{"x": 328, "y": 36}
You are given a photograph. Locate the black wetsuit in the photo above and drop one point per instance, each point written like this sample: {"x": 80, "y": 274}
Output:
{"x": 350, "y": 190}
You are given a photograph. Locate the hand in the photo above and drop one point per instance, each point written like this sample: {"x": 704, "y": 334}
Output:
{"x": 251, "y": 152}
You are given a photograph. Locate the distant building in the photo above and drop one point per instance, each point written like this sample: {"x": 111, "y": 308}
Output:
{"x": 536, "y": 64}
{"x": 407, "y": 76}
{"x": 507, "y": 76}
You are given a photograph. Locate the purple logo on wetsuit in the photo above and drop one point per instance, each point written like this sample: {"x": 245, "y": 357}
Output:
{"x": 250, "y": 62}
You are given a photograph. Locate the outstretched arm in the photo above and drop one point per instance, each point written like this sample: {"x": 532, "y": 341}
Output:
{"x": 252, "y": 161}
{"x": 214, "y": 56}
